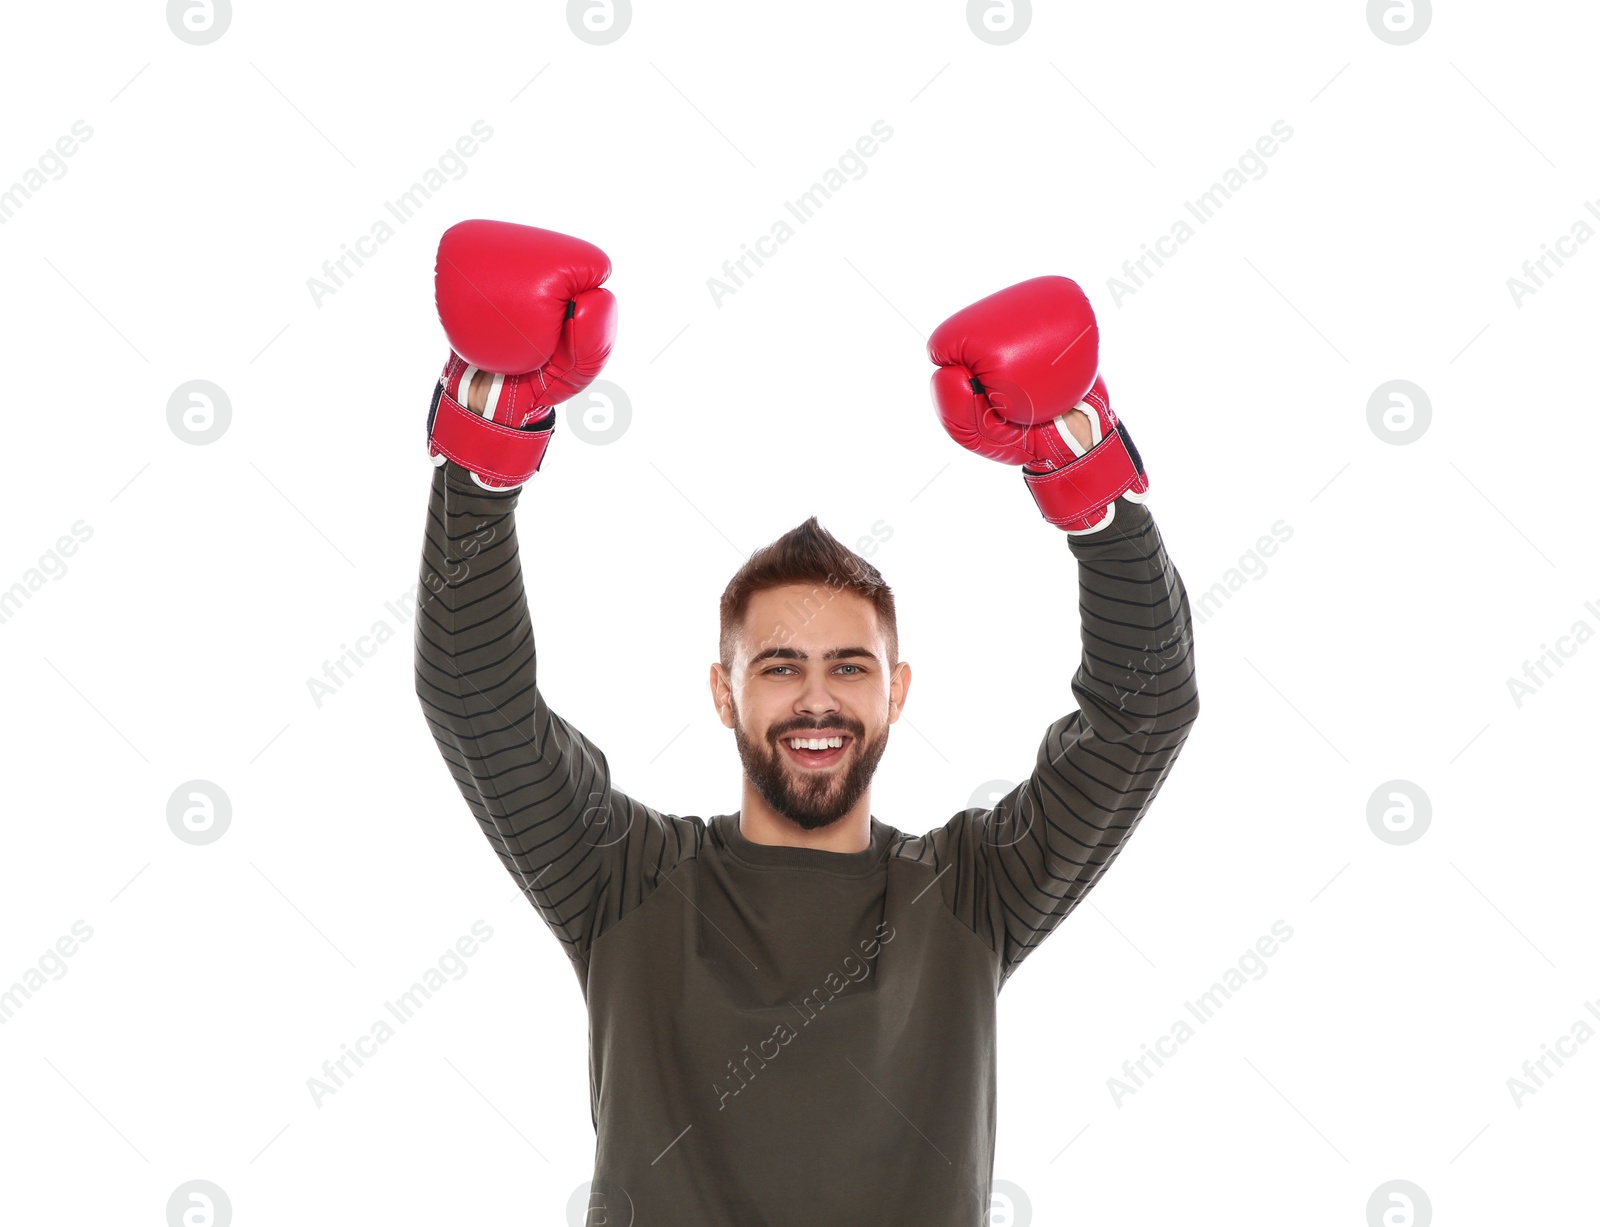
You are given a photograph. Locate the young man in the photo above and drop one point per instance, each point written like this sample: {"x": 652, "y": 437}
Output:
{"x": 792, "y": 1007}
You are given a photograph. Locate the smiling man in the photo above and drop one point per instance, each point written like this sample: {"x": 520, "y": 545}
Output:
{"x": 810, "y": 714}
{"x": 792, "y": 1008}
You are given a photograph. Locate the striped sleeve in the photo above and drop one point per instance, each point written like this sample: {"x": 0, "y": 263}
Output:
{"x": 1017, "y": 870}
{"x": 581, "y": 851}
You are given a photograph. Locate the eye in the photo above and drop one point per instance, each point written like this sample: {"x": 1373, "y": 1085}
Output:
{"x": 775, "y": 668}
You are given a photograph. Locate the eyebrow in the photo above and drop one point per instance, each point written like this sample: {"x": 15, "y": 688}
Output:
{"x": 796, "y": 654}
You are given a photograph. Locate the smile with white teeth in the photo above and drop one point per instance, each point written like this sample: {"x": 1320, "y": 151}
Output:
{"x": 814, "y": 743}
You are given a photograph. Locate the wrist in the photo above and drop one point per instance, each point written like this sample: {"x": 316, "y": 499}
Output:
{"x": 468, "y": 494}
{"x": 501, "y": 446}
{"x": 1126, "y": 516}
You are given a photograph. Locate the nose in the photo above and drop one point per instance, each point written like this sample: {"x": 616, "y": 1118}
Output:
{"x": 820, "y": 709}
{"x": 816, "y": 700}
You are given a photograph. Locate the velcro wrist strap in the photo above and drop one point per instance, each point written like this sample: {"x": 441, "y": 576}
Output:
{"x": 1071, "y": 494}
{"x": 503, "y": 454}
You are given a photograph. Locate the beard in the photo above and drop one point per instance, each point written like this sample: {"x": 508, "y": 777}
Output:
{"x": 809, "y": 799}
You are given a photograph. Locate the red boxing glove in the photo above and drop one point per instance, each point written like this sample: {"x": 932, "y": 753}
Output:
{"x": 526, "y": 305}
{"x": 1010, "y": 367}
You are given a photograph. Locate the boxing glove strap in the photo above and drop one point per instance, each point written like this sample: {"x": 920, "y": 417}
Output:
{"x": 487, "y": 448}
{"x": 1071, "y": 494}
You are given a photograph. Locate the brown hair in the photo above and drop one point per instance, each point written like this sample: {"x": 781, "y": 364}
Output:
{"x": 808, "y": 554}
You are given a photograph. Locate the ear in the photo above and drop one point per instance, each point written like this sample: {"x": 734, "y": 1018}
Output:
{"x": 721, "y": 694}
{"x": 899, "y": 685}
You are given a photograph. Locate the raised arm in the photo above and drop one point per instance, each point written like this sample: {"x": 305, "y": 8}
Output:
{"x": 1021, "y": 867}
{"x": 582, "y": 852}
{"x": 1015, "y": 871}
{"x": 526, "y": 305}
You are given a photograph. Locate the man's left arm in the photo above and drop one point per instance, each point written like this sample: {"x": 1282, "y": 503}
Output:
{"x": 1100, "y": 767}
{"x": 1018, "y": 382}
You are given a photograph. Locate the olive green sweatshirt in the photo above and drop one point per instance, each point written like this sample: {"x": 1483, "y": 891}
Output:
{"x": 781, "y": 1036}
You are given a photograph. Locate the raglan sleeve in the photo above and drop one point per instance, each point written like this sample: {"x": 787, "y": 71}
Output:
{"x": 581, "y": 851}
{"x": 1018, "y": 869}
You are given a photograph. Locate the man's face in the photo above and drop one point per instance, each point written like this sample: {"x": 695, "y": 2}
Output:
{"x": 811, "y": 664}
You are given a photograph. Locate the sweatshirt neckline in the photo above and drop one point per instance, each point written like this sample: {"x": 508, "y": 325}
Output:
{"x": 785, "y": 856}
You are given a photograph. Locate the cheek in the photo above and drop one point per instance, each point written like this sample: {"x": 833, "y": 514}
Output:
{"x": 757, "y": 721}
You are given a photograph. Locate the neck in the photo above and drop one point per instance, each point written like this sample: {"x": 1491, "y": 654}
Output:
{"x": 761, "y": 824}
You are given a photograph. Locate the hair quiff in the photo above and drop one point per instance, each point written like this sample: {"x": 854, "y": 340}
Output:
{"x": 807, "y": 555}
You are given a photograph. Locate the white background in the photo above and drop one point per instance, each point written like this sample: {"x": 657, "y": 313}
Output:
{"x": 1375, "y": 644}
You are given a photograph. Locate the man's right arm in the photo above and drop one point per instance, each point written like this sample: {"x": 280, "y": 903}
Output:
{"x": 582, "y": 852}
